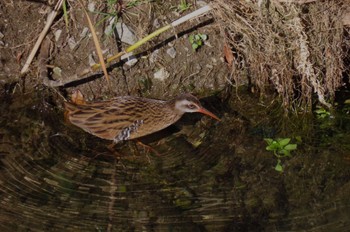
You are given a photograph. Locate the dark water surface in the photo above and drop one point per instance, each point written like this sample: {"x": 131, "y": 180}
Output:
{"x": 210, "y": 176}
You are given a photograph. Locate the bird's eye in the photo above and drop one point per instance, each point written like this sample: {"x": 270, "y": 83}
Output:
{"x": 191, "y": 106}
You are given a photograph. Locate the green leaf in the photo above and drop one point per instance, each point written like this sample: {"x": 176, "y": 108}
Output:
{"x": 197, "y": 37}
{"x": 291, "y": 147}
{"x": 273, "y": 146}
{"x": 200, "y": 43}
{"x": 279, "y": 167}
{"x": 298, "y": 138}
{"x": 320, "y": 111}
{"x": 283, "y": 142}
{"x": 204, "y": 36}
{"x": 194, "y": 46}
{"x": 268, "y": 140}
{"x": 284, "y": 152}
{"x": 191, "y": 38}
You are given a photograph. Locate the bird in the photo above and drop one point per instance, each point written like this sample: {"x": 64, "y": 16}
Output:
{"x": 129, "y": 117}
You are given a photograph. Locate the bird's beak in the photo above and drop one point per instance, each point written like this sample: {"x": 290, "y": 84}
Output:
{"x": 207, "y": 112}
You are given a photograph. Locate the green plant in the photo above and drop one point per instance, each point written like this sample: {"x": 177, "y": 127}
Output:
{"x": 183, "y": 6}
{"x": 322, "y": 113}
{"x": 197, "y": 40}
{"x": 281, "y": 148}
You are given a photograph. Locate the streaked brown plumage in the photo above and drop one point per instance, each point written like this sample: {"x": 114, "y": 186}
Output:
{"x": 127, "y": 117}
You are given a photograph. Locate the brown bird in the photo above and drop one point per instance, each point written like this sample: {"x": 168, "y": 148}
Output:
{"x": 127, "y": 117}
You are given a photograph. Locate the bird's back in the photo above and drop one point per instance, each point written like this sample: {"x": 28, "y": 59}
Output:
{"x": 121, "y": 118}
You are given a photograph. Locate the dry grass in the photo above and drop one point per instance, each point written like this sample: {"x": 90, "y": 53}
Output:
{"x": 296, "y": 49}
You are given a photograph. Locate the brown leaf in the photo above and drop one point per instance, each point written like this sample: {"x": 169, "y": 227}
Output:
{"x": 228, "y": 54}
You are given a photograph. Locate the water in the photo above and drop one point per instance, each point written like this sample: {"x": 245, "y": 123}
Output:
{"x": 210, "y": 176}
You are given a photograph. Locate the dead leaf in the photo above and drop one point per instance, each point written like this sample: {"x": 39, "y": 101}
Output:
{"x": 228, "y": 55}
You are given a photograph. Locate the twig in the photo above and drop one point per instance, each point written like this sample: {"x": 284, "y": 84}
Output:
{"x": 96, "y": 42}
{"x": 42, "y": 35}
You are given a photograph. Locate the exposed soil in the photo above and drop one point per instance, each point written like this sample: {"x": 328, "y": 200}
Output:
{"x": 201, "y": 72}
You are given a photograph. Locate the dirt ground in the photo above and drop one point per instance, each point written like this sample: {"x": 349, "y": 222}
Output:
{"x": 201, "y": 72}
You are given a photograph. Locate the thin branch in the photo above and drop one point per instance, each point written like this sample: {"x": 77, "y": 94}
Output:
{"x": 42, "y": 35}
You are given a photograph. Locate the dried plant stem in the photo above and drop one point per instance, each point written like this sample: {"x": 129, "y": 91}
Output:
{"x": 96, "y": 42}
{"x": 279, "y": 47}
{"x": 42, "y": 35}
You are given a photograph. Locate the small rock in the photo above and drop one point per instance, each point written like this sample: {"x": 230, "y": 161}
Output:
{"x": 91, "y": 60}
{"x": 57, "y": 34}
{"x": 171, "y": 52}
{"x": 126, "y": 35}
{"x": 131, "y": 59}
{"x": 161, "y": 74}
{"x": 156, "y": 23}
{"x": 71, "y": 43}
{"x": 109, "y": 27}
{"x": 91, "y": 6}
{"x": 1, "y": 35}
{"x": 154, "y": 55}
{"x": 57, "y": 71}
{"x": 207, "y": 43}
{"x": 84, "y": 32}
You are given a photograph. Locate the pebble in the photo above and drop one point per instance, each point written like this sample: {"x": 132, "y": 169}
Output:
{"x": 171, "y": 52}
{"x": 109, "y": 27}
{"x": 91, "y": 60}
{"x": 126, "y": 35}
{"x": 91, "y": 6}
{"x": 1, "y": 35}
{"x": 84, "y": 32}
{"x": 57, "y": 71}
{"x": 57, "y": 34}
{"x": 71, "y": 43}
{"x": 154, "y": 55}
{"x": 161, "y": 74}
{"x": 156, "y": 23}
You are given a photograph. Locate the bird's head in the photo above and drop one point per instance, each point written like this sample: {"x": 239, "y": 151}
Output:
{"x": 187, "y": 103}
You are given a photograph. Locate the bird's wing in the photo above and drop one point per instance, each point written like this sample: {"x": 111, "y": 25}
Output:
{"x": 103, "y": 120}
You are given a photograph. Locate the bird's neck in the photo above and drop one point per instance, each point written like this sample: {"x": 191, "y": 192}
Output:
{"x": 171, "y": 104}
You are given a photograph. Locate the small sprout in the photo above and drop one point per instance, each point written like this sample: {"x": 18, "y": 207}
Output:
{"x": 279, "y": 167}
{"x": 322, "y": 113}
{"x": 183, "y": 6}
{"x": 281, "y": 148}
{"x": 197, "y": 40}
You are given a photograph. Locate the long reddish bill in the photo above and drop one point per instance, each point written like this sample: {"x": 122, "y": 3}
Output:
{"x": 207, "y": 112}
